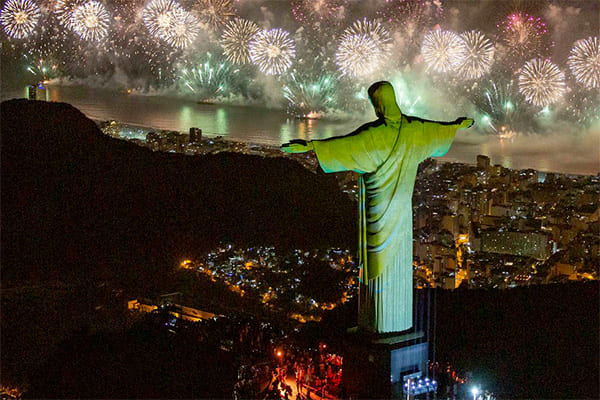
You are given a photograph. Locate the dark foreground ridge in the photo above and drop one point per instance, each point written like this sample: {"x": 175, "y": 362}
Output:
{"x": 74, "y": 199}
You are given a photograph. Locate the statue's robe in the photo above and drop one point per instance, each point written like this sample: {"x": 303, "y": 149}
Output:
{"x": 386, "y": 153}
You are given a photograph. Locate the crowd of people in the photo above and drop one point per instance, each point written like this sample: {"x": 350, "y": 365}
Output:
{"x": 315, "y": 375}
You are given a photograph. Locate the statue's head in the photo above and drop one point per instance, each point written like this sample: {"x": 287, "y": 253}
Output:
{"x": 383, "y": 99}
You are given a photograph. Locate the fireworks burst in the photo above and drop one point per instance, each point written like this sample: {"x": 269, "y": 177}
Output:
{"x": 64, "y": 11}
{"x": 357, "y": 55}
{"x": 584, "y": 62}
{"x": 42, "y": 69}
{"x": 19, "y": 18}
{"x": 158, "y": 16}
{"x": 541, "y": 82}
{"x": 207, "y": 79}
{"x": 328, "y": 11}
{"x": 477, "y": 57}
{"x": 90, "y": 21}
{"x": 410, "y": 17}
{"x": 363, "y": 48}
{"x": 442, "y": 51}
{"x": 182, "y": 30}
{"x": 272, "y": 51}
{"x": 236, "y": 40}
{"x": 168, "y": 21}
{"x": 501, "y": 108}
{"x": 309, "y": 98}
{"x": 584, "y": 107}
{"x": 524, "y": 36}
{"x": 374, "y": 30}
{"x": 214, "y": 13}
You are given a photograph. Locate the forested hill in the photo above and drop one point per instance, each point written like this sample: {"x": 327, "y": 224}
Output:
{"x": 77, "y": 201}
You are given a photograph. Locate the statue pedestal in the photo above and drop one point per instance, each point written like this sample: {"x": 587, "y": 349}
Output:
{"x": 377, "y": 367}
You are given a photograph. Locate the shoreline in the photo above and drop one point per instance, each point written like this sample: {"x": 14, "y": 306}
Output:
{"x": 558, "y": 153}
{"x": 234, "y": 143}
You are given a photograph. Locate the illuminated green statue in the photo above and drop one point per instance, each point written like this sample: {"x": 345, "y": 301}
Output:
{"x": 386, "y": 153}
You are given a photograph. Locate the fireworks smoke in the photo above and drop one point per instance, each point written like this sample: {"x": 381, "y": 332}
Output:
{"x": 328, "y": 11}
{"x": 410, "y": 17}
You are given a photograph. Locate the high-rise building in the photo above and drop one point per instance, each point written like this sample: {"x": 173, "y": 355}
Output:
{"x": 32, "y": 92}
{"x": 483, "y": 162}
{"x": 195, "y": 135}
{"x": 531, "y": 244}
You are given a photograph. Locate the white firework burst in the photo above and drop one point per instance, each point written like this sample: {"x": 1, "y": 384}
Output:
{"x": 358, "y": 55}
{"x": 19, "y": 18}
{"x": 363, "y": 48}
{"x": 541, "y": 82}
{"x": 442, "y": 51}
{"x": 272, "y": 50}
{"x": 477, "y": 55}
{"x": 182, "y": 30}
{"x": 90, "y": 21}
{"x": 158, "y": 16}
{"x": 64, "y": 11}
{"x": 584, "y": 62}
{"x": 236, "y": 40}
{"x": 375, "y": 31}
{"x": 214, "y": 13}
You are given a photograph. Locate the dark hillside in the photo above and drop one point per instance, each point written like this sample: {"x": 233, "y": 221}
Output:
{"x": 76, "y": 202}
{"x": 539, "y": 341}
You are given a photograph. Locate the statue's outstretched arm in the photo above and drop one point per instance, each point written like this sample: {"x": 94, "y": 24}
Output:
{"x": 303, "y": 146}
{"x": 464, "y": 122}
{"x": 297, "y": 146}
{"x": 351, "y": 152}
{"x": 435, "y": 138}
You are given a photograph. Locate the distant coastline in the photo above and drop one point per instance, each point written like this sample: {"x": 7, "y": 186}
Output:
{"x": 557, "y": 152}
{"x": 234, "y": 144}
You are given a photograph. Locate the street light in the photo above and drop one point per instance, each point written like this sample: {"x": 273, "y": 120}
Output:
{"x": 475, "y": 392}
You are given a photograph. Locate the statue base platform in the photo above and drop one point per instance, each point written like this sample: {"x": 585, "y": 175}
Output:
{"x": 377, "y": 367}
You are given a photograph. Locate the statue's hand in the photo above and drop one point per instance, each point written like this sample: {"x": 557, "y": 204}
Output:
{"x": 297, "y": 146}
{"x": 465, "y": 122}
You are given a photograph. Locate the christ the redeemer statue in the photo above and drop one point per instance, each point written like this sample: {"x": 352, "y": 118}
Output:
{"x": 386, "y": 154}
